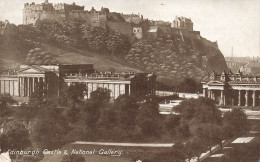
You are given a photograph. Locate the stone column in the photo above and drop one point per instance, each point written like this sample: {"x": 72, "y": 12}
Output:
{"x": 20, "y": 87}
{"x": 212, "y": 95}
{"x": 222, "y": 97}
{"x": 38, "y": 83}
{"x": 33, "y": 85}
{"x": 253, "y": 98}
{"x": 204, "y": 92}
{"x": 28, "y": 87}
{"x": 23, "y": 87}
{"x": 246, "y": 104}
{"x": 129, "y": 89}
{"x": 209, "y": 93}
{"x": 232, "y": 100}
{"x": 239, "y": 97}
{"x": 43, "y": 86}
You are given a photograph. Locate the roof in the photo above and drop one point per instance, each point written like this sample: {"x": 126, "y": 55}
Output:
{"x": 217, "y": 155}
{"x": 153, "y": 29}
{"x": 243, "y": 140}
{"x": 185, "y": 19}
{"x": 253, "y": 64}
{"x": 230, "y": 78}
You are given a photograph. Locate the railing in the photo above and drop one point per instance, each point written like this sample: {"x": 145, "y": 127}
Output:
{"x": 9, "y": 75}
{"x": 96, "y": 77}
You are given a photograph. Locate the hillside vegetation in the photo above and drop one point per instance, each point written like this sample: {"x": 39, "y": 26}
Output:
{"x": 171, "y": 55}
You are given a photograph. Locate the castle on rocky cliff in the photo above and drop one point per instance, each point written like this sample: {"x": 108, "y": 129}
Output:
{"x": 67, "y": 12}
{"x": 128, "y": 24}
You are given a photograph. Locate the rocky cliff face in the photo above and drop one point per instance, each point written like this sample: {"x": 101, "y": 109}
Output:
{"x": 174, "y": 56}
{"x": 171, "y": 55}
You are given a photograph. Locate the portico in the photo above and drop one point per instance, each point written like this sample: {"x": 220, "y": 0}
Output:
{"x": 28, "y": 80}
{"x": 232, "y": 89}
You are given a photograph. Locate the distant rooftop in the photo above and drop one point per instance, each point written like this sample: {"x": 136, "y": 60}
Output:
{"x": 217, "y": 155}
{"x": 252, "y": 64}
{"x": 243, "y": 140}
{"x": 185, "y": 19}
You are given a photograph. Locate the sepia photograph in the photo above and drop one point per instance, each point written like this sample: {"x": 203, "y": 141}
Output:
{"x": 129, "y": 81}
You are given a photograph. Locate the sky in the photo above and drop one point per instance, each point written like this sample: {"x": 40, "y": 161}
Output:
{"x": 232, "y": 23}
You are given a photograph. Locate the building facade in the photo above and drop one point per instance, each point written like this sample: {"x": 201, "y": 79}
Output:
{"x": 183, "y": 23}
{"x": 140, "y": 84}
{"x": 133, "y": 18}
{"x": 138, "y": 32}
{"x": 252, "y": 67}
{"x": 230, "y": 89}
{"x": 47, "y": 80}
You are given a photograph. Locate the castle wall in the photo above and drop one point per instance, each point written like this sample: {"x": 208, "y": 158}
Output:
{"x": 182, "y": 24}
{"x": 121, "y": 27}
{"x": 83, "y": 16}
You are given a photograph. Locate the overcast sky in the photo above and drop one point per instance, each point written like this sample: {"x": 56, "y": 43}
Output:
{"x": 231, "y": 22}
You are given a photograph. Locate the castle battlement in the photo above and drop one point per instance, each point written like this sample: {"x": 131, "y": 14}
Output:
{"x": 62, "y": 12}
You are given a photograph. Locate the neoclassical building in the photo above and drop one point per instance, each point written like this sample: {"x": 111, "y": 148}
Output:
{"x": 47, "y": 79}
{"x": 230, "y": 89}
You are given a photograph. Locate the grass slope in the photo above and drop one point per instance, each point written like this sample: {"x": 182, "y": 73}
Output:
{"x": 73, "y": 56}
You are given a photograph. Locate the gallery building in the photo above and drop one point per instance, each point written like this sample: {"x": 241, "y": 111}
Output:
{"x": 232, "y": 89}
{"x": 47, "y": 79}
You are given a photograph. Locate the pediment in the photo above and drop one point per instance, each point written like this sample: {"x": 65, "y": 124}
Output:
{"x": 31, "y": 70}
{"x": 216, "y": 83}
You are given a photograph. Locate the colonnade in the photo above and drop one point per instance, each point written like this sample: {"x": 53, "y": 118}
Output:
{"x": 233, "y": 97}
{"x": 28, "y": 85}
{"x": 246, "y": 96}
{"x": 115, "y": 88}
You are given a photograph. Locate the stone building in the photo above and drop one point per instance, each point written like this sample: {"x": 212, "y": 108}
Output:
{"x": 232, "y": 89}
{"x": 46, "y": 79}
{"x": 3, "y": 26}
{"x": 252, "y": 67}
{"x": 66, "y": 12}
{"x": 62, "y": 12}
{"x": 133, "y": 18}
{"x": 141, "y": 84}
{"x": 138, "y": 32}
{"x": 183, "y": 23}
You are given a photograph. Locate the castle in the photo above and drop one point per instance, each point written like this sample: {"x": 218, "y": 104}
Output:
{"x": 182, "y": 23}
{"x": 65, "y": 12}
{"x": 122, "y": 23}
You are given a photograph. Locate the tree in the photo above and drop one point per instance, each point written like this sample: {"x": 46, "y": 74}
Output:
{"x": 211, "y": 134}
{"x": 95, "y": 106}
{"x": 236, "y": 123}
{"x": 188, "y": 85}
{"x": 201, "y": 110}
{"x": 195, "y": 147}
{"x": 16, "y": 136}
{"x": 5, "y": 101}
{"x": 101, "y": 95}
{"x": 148, "y": 119}
{"x": 126, "y": 108}
{"x": 50, "y": 129}
{"x": 201, "y": 124}
{"x": 171, "y": 123}
{"x": 38, "y": 56}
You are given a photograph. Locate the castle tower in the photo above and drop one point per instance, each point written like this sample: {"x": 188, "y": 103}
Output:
{"x": 46, "y": 1}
